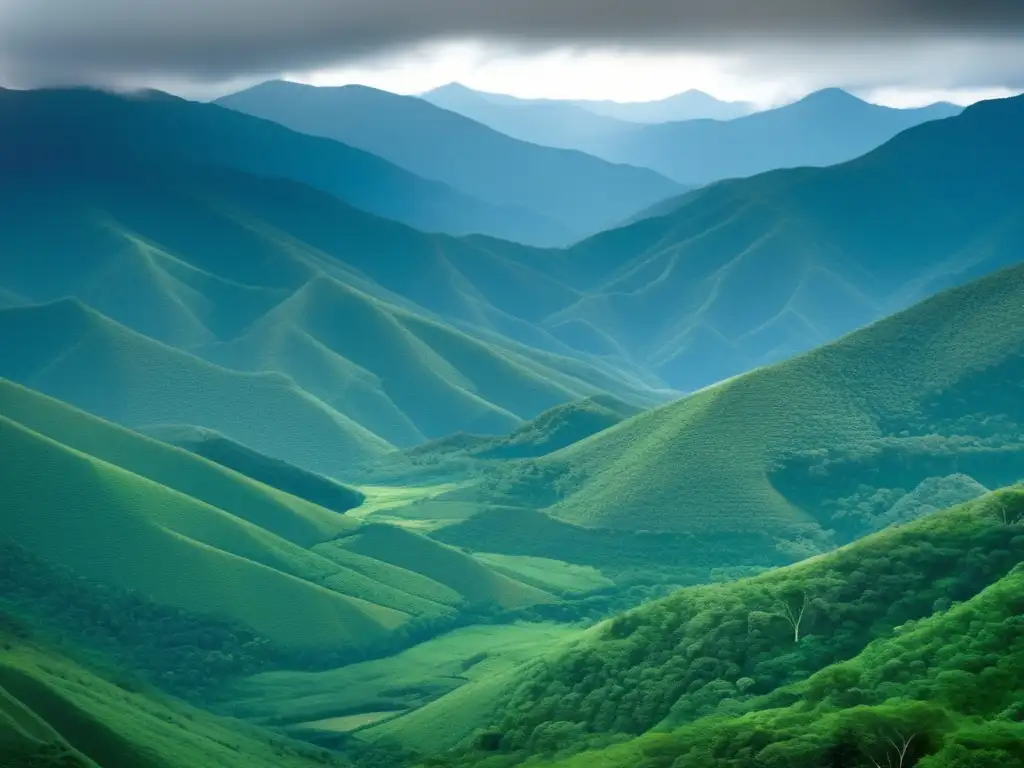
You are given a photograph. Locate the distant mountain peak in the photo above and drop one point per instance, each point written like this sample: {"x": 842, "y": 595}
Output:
{"x": 830, "y": 96}
{"x": 453, "y": 87}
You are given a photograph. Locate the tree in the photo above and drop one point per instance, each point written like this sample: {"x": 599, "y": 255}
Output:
{"x": 896, "y": 757}
{"x": 896, "y": 734}
{"x": 793, "y": 612}
{"x": 1009, "y": 511}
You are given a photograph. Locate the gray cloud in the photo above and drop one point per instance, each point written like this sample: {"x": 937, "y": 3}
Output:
{"x": 221, "y": 39}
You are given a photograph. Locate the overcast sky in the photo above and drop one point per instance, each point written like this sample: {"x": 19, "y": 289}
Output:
{"x": 895, "y": 51}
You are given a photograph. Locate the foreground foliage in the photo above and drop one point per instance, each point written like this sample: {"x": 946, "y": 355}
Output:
{"x": 777, "y": 643}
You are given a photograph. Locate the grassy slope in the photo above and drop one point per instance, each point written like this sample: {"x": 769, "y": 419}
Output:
{"x": 287, "y": 516}
{"x": 703, "y": 463}
{"x": 70, "y": 352}
{"x": 433, "y": 378}
{"x": 550, "y": 431}
{"x": 727, "y": 649}
{"x": 406, "y": 681}
{"x": 133, "y": 511}
{"x": 445, "y": 565}
{"x": 214, "y": 446}
{"x": 54, "y": 712}
{"x": 120, "y": 528}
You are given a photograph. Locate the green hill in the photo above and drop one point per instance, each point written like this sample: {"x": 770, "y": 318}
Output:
{"x": 789, "y": 450}
{"x": 943, "y": 695}
{"x": 120, "y": 509}
{"x": 403, "y": 376}
{"x": 54, "y": 712}
{"x": 120, "y": 528}
{"x": 445, "y": 565}
{"x": 273, "y": 472}
{"x": 552, "y": 430}
{"x": 247, "y": 497}
{"x": 735, "y": 672}
{"x": 72, "y": 353}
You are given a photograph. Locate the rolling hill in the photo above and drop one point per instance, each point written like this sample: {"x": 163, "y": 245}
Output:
{"x": 814, "y": 449}
{"x": 126, "y": 512}
{"x": 581, "y": 193}
{"x": 56, "y": 712}
{"x": 286, "y": 477}
{"x": 88, "y": 121}
{"x": 552, "y": 430}
{"x": 75, "y": 354}
{"x": 825, "y": 128}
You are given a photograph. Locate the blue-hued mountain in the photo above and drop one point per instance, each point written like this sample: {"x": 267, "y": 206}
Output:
{"x": 688, "y": 105}
{"x": 751, "y": 271}
{"x": 153, "y": 122}
{"x": 550, "y": 123}
{"x": 825, "y": 128}
{"x": 582, "y": 194}
{"x": 260, "y": 275}
{"x": 579, "y": 124}
{"x": 151, "y": 291}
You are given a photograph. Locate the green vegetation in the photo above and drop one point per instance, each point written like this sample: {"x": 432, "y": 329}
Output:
{"x": 943, "y": 694}
{"x": 278, "y": 474}
{"x": 445, "y": 565}
{"x": 54, "y": 712}
{"x": 791, "y": 451}
{"x": 72, "y": 353}
{"x": 552, "y": 430}
{"x": 737, "y": 671}
{"x": 404, "y": 682}
{"x": 191, "y": 538}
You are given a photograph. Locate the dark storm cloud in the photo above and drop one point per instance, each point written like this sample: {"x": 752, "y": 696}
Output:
{"x": 216, "y": 39}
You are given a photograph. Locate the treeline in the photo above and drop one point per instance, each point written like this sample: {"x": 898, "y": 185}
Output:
{"x": 944, "y": 692}
{"x": 712, "y": 650}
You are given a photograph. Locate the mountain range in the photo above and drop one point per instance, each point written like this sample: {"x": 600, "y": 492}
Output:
{"x": 148, "y": 122}
{"x": 582, "y": 194}
{"x": 824, "y": 128}
{"x": 575, "y": 124}
{"x": 692, "y": 137}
